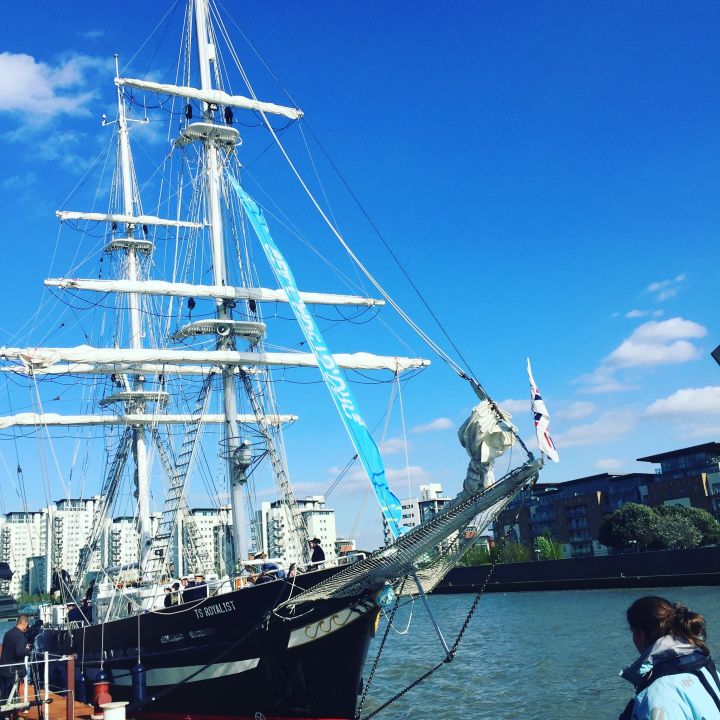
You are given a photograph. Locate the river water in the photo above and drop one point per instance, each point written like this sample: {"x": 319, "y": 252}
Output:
{"x": 536, "y": 656}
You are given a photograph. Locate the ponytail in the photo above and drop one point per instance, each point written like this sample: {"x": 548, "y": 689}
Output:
{"x": 689, "y": 624}
{"x": 656, "y": 617}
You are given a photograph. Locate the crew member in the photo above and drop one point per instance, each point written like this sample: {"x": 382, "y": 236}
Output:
{"x": 318, "y": 554}
{"x": 15, "y": 647}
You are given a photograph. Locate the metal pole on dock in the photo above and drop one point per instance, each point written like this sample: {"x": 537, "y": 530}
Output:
{"x": 46, "y": 679}
{"x": 70, "y": 697}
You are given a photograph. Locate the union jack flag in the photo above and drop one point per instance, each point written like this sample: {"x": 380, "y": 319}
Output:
{"x": 542, "y": 419}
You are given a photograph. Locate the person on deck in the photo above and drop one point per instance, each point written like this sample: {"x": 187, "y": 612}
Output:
{"x": 15, "y": 647}
{"x": 201, "y": 588}
{"x": 674, "y": 677}
{"x": 318, "y": 554}
{"x": 186, "y": 592}
{"x": 197, "y": 590}
{"x": 74, "y": 613}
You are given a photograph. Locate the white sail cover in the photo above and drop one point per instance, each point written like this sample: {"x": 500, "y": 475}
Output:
{"x": 56, "y": 420}
{"x": 486, "y": 435}
{"x": 116, "y": 368}
{"x": 224, "y": 292}
{"x": 38, "y": 359}
{"x": 120, "y": 217}
{"x": 215, "y": 97}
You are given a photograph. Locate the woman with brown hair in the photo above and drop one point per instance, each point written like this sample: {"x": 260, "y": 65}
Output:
{"x": 674, "y": 677}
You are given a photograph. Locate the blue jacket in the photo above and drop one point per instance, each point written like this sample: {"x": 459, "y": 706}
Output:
{"x": 677, "y": 695}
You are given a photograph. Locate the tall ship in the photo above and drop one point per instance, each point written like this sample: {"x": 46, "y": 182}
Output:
{"x": 184, "y": 338}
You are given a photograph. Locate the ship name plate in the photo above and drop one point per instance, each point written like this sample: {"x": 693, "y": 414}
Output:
{"x": 215, "y": 609}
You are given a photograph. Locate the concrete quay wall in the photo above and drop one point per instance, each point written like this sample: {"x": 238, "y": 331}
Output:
{"x": 663, "y": 568}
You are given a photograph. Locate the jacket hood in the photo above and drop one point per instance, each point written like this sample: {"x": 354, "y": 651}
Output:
{"x": 667, "y": 649}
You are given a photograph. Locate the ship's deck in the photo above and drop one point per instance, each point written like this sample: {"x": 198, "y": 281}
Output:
{"x": 57, "y": 709}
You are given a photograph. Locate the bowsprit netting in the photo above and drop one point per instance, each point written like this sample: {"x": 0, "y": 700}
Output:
{"x": 428, "y": 550}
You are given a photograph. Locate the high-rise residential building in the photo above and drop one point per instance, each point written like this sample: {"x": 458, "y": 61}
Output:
{"x": 213, "y": 531}
{"x": 71, "y": 522}
{"x": 123, "y": 540}
{"x": 23, "y": 535}
{"x": 417, "y": 510}
{"x": 272, "y": 528}
{"x": 209, "y": 529}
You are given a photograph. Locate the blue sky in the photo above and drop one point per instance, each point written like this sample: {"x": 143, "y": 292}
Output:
{"x": 547, "y": 173}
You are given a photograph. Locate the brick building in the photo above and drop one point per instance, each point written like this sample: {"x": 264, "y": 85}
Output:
{"x": 573, "y": 511}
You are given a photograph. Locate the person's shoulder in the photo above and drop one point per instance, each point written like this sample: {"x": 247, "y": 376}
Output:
{"x": 677, "y": 696}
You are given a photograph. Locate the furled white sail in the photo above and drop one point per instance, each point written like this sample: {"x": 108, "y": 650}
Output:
{"x": 122, "y": 218}
{"x": 486, "y": 435}
{"x": 117, "y": 368}
{"x": 40, "y": 358}
{"x": 223, "y": 292}
{"x": 214, "y": 97}
{"x": 56, "y": 420}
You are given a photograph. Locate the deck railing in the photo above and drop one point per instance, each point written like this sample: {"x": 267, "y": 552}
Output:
{"x": 19, "y": 698}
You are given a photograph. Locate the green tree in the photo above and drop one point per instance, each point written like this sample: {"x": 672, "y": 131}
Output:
{"x": 631, "y": 524}
{"x": 512, "y": 552}
{"x": 701, "y": 520}
{"x": 708, "y": 526}
{"x": 677, "y": 531}
{"x": 546, "y": 548}
{"x": 475, "y": 556}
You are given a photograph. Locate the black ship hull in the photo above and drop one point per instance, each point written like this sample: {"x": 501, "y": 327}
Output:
{"x": 230, "y": 656}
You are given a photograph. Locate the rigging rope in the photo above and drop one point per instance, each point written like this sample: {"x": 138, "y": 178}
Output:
{"x": 453, "y": 650}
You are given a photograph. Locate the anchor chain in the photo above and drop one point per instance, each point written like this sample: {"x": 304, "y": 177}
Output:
{"x": 451, "y": 655}
{"x": 380, "y": 649}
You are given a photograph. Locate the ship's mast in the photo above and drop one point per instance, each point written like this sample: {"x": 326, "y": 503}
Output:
{"x": 206, "y": 56}
{"x": 139, "y": 445}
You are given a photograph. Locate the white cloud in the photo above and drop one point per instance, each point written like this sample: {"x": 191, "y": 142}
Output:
{"x": 575, "y": 411}
{"x": 19, "y": 182}
{"x": 93, "y": 34}
{"x": 688, "y": 401}
{"x": 608, "y": 426}
{"x": 356, "y": 479}
{"x": 633, "y": 314}
{"x": 703, "y": 431}
{"x": 416, "y": 474}
{"x": 441, "y": 423}
{"x": 602, "y": 380}
{"x": 609, "y": 464}
{"x": 658, "y": 343}
{"x": 635, "y": 354}
{"x": 663, "y": 342}
{"x": 665, "y": 289}
{"x": 515, "y": 407}
{"x": 392, "y": 446}
{"x": 671, "y": 329}
{"x": 39, "y": 91}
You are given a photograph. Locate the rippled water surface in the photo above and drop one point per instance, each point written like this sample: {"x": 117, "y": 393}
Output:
{"x": 549, "y": 655}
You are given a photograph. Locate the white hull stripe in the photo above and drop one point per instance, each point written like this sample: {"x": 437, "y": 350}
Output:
{"x": 320, "y": 629}
{"x": 171, "y": 676}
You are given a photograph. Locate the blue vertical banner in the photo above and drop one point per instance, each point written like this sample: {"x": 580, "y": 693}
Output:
{"x": 334, "y": 378}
